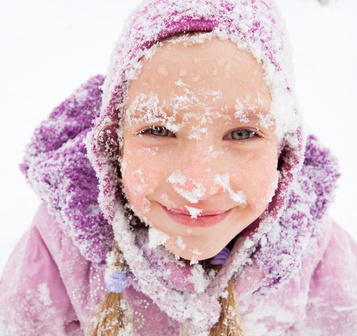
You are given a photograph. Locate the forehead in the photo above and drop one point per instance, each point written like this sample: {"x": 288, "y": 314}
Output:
{"x": 204, "y": 70}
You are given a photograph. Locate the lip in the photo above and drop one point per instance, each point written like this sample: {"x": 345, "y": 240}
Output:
{"x": 205, "y": 219}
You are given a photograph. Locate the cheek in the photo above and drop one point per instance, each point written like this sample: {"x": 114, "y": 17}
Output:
{"x": 141, "y": 174}
{"x": 257, "y": 178}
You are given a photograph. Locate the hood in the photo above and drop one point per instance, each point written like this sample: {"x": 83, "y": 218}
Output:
{"x": 277, "y": 240}
{"x": 57, "y": 167}
{"x": 71, "y": 181}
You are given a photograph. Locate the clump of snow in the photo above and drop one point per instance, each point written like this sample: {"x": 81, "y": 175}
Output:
{"x": 223, "y": 181}
{"x": 194, "y": 212}
{"x": 145, "y": 108}
{"x": 178, "y": 181}
{"x": 241, "y": 112}
{"x": 345, "y": 309}
{"x": 115, "y": 263}
{"x": 177, "y": 177}
{"x": 45, "y": 294}
{"x": 146, "y": 205}
{"x": 196, "y": 132}
{"x": 266, "y": 120}
{"x": 248, "y": 243}
{"x": 156, "y": 237}
{"x": 180, "y": 243}
{"x": 200, "y": 278}
{"x": 224, "y": 294}
{"x": 271, "y": 190}
{"x": 149, "y": 151}
{"x": 242, "y": 108}
{"x": 214, "y": 153}
{"x": 193, "y": 261}
{"x": 196, "y": 251}
{"x": 263, "y": 240}
{"x": 260, "y": 100}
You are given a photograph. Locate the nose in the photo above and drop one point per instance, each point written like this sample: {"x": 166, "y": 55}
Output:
{"x": 195, "y": 178}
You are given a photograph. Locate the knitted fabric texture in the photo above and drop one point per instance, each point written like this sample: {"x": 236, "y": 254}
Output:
{"x": 57, "y": 167}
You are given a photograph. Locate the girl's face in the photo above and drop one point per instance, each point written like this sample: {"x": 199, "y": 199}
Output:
{"x": 200, "y": 153}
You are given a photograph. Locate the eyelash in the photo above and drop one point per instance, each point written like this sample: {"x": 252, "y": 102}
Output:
{"x": 152, "y": 129}
{"x": 162, "y": 131}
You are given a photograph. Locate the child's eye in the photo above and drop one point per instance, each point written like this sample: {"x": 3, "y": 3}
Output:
{"x": 160, "y": 131}
{"x": 241, "y": 134}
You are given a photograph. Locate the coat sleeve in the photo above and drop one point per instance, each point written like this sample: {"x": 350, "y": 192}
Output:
{"x": 332, "y": 304}
{"x": 34, "y": 299}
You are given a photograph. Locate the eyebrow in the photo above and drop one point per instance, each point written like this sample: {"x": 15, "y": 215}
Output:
{"x": 253, "y": 115}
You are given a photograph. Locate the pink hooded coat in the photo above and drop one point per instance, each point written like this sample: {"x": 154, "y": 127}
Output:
{"x": 294, "y": 269}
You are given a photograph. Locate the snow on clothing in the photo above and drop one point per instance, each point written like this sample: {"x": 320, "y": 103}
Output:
{"x": 295, "y": 269}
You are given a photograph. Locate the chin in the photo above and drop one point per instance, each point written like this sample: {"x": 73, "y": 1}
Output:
{"x": 194, "y": 252}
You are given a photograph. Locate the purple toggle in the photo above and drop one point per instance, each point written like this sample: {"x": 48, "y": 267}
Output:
{"x": 116, "y": 282}
{"x": 221, "y": 257}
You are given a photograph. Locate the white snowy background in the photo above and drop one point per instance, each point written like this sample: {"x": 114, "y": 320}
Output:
{"x": 49, "y": 47}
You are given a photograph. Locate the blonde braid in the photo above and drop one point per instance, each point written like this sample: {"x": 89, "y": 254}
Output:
{"x": 229, "y": 323}
{"x": 111, "y": 317}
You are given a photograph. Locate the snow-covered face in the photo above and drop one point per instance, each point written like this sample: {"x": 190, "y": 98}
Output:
{"x": 199, "y": 159}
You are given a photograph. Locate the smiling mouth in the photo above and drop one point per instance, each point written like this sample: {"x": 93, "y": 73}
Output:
{"x": 204, "y": 219}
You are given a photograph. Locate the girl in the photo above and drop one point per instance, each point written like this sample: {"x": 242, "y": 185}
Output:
{"x": 196, "y": 202}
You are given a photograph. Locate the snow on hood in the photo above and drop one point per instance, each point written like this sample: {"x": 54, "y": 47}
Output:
{"x": 60, "y": 171}
{"x": 57, "y": 167}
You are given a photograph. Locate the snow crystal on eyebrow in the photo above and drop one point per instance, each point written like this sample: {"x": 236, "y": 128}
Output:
{"x": 147, "y": 109}
{"x": 177, "y": 179}
{"x": 240, "y": 112}
{"x": 194, "y": 212}
{"x": 180, "y": 243}
{"x": 157, "y": 237}
{"x": 223, "y": 181}
{"x": 45, "y": 294}
{"x": 266, "y": 120}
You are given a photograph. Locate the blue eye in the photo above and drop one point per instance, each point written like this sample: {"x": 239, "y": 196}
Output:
{"x": 159, "y": 131}
{"x": 240, "y": 134}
